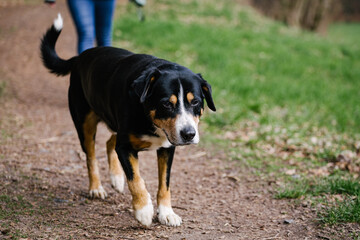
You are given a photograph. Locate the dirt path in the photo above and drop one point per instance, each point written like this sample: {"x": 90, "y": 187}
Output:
{"x": 43, "y": 172}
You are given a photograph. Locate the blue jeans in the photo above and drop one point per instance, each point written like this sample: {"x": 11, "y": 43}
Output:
{"x": 93, "y": 19}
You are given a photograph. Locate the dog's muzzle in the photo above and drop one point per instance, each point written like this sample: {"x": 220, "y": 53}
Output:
{"x": 187, "y": 134}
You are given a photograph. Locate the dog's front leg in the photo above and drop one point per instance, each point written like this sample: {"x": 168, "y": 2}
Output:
{"x": 165, "y": 212}
{"x": 141, "y": 199}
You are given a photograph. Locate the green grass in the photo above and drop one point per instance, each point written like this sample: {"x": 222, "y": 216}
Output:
{"x": 345, "y": 33}
{"x": 331, "y": 185}
{"x": 11, "y": 206}
{"x": 290, "y": 99}
{"x": 255, "y": 66}
{"x": 345, "y": 210}
{"x": 293, "y": 191}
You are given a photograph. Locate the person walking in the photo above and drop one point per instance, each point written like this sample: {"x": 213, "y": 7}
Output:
{"x": 93, "y": 20}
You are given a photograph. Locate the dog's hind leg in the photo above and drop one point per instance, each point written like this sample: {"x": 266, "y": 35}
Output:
{"x": 85, "y": 121}
{"x": 116, "y": 172}
{"x": 89, "y": 128}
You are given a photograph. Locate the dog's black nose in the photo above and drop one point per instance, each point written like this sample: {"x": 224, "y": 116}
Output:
{"x": 187, "y": 134}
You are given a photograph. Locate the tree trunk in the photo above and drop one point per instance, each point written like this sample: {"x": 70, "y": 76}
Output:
{"x": 313, "y": 15}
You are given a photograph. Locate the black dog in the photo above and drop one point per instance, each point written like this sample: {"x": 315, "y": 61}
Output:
{"x": 147, "y": 103}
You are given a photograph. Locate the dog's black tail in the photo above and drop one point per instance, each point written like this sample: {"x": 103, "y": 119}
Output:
{"x": 50, "y": 59}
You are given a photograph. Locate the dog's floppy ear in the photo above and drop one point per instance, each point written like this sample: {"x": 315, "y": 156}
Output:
{"x": 143, "y": 83}
{"x": 206, "y": 90}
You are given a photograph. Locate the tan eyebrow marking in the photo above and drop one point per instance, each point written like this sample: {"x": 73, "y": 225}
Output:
{"x": 190, "y": 96}
{"x": 173, "y": 99}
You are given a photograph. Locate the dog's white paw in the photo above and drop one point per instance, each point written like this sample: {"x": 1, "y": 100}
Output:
{"x": 98, "y": 193}
{"x": 145, "y": 214}
{"x": 117, "y": 182}
{"x": 167, "y": 216}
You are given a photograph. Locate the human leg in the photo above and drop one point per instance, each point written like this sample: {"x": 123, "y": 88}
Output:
{"x": 104, "y": 11}
{"x": 83, "y": 14}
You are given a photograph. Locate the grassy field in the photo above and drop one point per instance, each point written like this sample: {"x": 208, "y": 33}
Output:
{"x": 288, "y": 100}
{"x": 257, "y": 67}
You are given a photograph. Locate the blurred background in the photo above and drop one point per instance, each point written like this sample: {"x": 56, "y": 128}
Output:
{"x": 285, "y": 76}
{"x": 312, "y": 15}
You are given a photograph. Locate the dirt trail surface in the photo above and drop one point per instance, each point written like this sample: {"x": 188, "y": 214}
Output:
{"x": 43, "y": 176}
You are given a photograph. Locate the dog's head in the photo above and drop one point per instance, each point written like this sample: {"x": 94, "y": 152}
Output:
{"x": 173, "y": 97}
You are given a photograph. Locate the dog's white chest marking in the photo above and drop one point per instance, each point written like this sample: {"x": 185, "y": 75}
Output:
{"x": 157, "y": 142}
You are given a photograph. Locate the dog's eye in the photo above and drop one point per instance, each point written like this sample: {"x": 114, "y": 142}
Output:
{"x": 195, "y": 103}
{"x": 168, "y": 105}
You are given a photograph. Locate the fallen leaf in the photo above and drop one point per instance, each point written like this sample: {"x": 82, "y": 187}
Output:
{"x": 290, "y": 171}
{"x": 233, "y": 178}
{"x": 323, "y": 171}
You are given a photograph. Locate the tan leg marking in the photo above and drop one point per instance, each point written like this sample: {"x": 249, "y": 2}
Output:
{"x": 116, "y": 172}
{"x": 163, "y": 195}
{"x": 165, "y": 212}
{"x": 137, "y": 186}
{"x": 141, "y": 200}
{"x": 89, "y": 127}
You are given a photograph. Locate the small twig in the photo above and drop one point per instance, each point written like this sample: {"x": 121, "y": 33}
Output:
{"x": 177, "y": 207}
{"x": 275, "y": 237}
{"x": 44, "y": 170}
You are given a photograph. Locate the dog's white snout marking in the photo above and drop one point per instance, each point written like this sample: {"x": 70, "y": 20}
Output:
{"x": 185, "y": 121}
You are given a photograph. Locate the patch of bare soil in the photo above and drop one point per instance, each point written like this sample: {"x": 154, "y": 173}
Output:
{"x": 43, "y": 176}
